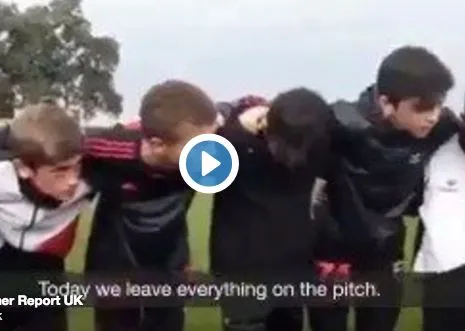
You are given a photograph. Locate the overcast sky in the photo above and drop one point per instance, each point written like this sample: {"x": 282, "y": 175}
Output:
{"x": 233, "y": 47}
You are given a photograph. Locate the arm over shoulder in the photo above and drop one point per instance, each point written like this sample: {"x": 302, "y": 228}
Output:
{"x": 105, "y": 148}
{"x": 449, "y": 124}
{"x": 239, "y": 113}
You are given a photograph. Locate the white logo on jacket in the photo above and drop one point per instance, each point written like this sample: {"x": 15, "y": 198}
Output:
{"x": 415, "y": 158}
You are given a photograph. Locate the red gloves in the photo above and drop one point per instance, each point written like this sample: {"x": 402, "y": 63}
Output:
{"x": 333, "y": 270}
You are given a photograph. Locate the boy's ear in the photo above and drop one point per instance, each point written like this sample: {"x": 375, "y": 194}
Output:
{"x": 386, "y": 107}
{"x": 22, "y": 169}
{"x": 152, "y": 145}
{"x": 155, "y": 142}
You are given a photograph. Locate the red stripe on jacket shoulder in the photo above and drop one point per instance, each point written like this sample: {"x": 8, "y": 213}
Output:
{"x": 114, "y": 143}
{"x": 61, "y": 243}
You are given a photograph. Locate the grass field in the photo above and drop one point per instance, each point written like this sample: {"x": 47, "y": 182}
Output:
{"x": 200, "y": 319}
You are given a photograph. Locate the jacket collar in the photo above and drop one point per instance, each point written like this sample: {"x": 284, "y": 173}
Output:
{"x": 37, "y": 197}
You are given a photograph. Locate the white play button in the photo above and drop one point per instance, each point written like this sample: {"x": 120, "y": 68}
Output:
{"x": 209, "y": 163}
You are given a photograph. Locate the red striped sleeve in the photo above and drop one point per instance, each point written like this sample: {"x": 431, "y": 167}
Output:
{"x": 108, "y": 145}
{"x": 105, "y": 148}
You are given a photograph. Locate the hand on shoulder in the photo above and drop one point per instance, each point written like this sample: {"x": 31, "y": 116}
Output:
{"x": 254, "y": 119}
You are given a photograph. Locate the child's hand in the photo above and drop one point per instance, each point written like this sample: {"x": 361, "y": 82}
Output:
{"x": 254, "y": 119}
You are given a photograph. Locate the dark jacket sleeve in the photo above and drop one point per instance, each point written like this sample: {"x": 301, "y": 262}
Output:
{"x": 449, "y": 124}
{"x": 345, "y": 120}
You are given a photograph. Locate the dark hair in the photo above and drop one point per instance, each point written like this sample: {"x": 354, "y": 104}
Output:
{"x": 168, "y": 104}
{"x": 44, "y": 134}
{"x": 297, "y": 121}
{"x": 414, "y": 72}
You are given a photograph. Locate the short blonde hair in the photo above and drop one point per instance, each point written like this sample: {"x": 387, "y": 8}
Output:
{"x": 44, "y": 134}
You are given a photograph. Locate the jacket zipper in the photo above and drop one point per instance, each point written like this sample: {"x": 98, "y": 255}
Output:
{"x": 27, "y": 228}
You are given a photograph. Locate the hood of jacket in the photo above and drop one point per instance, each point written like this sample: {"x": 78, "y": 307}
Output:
{"x": 369, "y": 109}
{"x": 367, "y": 105}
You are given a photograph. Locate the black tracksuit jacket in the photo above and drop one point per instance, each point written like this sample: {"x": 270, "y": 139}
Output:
{"x": 262, "y": 223}
{"x": 375, "y": 179}
{"x": 140, "y": 218}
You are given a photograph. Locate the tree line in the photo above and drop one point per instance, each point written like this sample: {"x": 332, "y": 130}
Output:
{"x": 50, "y": 51}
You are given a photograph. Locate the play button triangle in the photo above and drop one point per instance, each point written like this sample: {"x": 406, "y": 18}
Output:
{"x": 209, "y": 163}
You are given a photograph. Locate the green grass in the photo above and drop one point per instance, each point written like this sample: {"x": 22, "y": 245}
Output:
{"x": 201, "y": 319}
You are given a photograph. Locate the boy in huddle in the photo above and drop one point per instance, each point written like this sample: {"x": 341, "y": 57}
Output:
{"x": 43, "y": 192}
{"x": 263, "y": 224}
{"x": 41, "y": 196}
